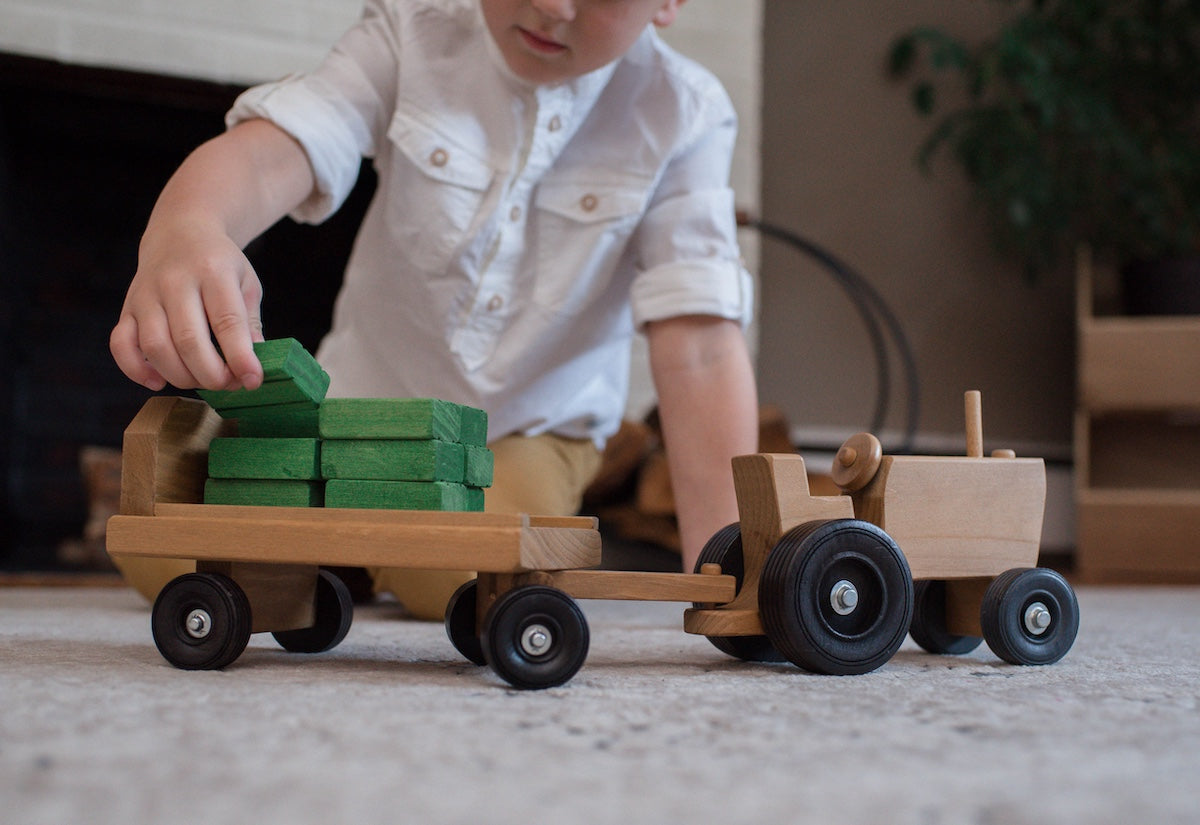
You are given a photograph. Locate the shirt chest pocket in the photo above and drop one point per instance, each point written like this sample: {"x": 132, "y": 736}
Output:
{"x": 583, "y": 233}
{"x": 435, "y": 189}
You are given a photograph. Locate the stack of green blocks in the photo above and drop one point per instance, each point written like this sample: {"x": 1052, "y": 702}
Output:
{"x": 297, "y": 448}
{"x": 276, "y": 457}
{"x": 404, "y": 453}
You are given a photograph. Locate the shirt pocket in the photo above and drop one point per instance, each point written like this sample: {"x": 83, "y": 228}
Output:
{"x": 436, "y": 188}
{"x": 583, "y": 232}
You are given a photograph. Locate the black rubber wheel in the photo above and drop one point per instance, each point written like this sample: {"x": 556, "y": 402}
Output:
{"x": 535, "y": 637}
{"x": 836, "y": 596}
{"x": 725, "y": 549}
{"x": 334, "y": 614}
{"x": 928, "y": 627}
{"x": 461, "y": 623}
{"x": 1030, "y": 616}
{"x": 201, "y": 621}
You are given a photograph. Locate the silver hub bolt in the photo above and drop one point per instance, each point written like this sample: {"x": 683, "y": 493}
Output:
{"x": 536, "y": 639}
{"x": 1037, "y": 618}
{"x": 198, "y": 624}
{"x": 843, "y": 598}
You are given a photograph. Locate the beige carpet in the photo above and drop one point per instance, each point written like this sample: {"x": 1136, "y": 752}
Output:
{"x": 392, "y": 727}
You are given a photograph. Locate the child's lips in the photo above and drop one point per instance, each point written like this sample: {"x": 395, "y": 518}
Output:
{"x": 540, "y": 44}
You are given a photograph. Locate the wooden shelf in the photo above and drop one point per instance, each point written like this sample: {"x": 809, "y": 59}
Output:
{"x": 1139, "y": 363}
{"x": 1137, "y": 444}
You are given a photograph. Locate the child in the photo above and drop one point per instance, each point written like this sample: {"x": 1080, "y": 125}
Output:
{"x": 552, "y": 177}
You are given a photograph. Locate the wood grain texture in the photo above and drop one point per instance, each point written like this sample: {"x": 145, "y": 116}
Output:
{"x": 282, "y": 596}
{"x": 165, "y": 453}
{"x": 264, "y": 492}
{"x": 391, "y": 460}
{"x": 480, "y": 465}
{"x": 280, "y": 421}
{"x": 290, "y": 376}
{"x": 773, "y": 497}
{"x": 401, "y": 495}
{"x": 363, "y": 538}
{"x": 959, "y": 517}
{"x": 275, "y": 458}
{"x": 391, "y": 418}
{"x": 638, "y": 586}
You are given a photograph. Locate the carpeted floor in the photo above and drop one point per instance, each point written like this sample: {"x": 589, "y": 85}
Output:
{"x": 393, "y": 727}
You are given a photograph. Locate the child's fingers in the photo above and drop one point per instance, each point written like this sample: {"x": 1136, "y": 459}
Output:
{"x": 126, "y": 351}
{"x": 234, "y": 322}
{"x": 192, "y": 353}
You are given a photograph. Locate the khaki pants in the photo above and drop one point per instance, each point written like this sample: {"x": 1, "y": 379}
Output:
{"x": 542, "y": 475}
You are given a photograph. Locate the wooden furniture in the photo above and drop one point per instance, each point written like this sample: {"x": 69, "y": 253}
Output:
{"x": 1137, "y": 441}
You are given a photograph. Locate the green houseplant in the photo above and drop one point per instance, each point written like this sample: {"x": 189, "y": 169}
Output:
{"x": 1077, "y": 122}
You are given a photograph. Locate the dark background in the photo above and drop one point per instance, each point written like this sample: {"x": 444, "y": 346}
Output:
{"x": 83, "y": 155}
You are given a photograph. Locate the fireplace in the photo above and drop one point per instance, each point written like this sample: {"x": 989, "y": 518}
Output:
{"x": 83, "y": 154}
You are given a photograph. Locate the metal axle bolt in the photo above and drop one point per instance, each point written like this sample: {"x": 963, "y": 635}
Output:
{"x": 1037, "y": 618}
{"x": 536, "y": 639}
{"x": 198, "y": 624}
{"x": 843, "y": 598}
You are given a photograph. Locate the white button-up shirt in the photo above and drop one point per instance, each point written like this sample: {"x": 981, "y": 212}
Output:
{"x": 519, "y": 234}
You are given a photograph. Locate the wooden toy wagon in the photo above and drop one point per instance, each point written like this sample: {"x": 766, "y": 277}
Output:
{"x": 826, "y": 583}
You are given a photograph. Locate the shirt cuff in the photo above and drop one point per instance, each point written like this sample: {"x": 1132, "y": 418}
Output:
{"x": 719, "y": 288}
{"x": 313, "y": 121}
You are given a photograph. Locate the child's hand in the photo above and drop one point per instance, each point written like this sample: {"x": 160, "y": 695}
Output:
{"x": 191, "y": 279}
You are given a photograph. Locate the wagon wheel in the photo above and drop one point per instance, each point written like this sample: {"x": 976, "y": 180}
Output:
{"x": 1030, "y": 616}
{"x": 857, "y": 462}
{"x": 928, "y": 628}
{"x": 535, "y": 637}
{"x": 725, "y": 549}
{"x": 462, "y": 623}
{"x": 201, "y": 621}
{"x": 334, "y": 613}
{"x": 836, "y": 596}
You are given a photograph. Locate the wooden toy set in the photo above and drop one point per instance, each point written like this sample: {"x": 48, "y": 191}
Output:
{"x": 942, "y": 548}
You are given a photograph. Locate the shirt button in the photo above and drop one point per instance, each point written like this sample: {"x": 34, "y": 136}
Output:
{"x": 555, "y": 123}
{"x": 495, "y": 303}
{"x": 439, "y": 157}
{"x": 514, "y": 214}
{"x": 589, "y": 203}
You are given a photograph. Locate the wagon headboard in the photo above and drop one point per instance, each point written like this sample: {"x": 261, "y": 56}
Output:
{"x": 165, "y": 453}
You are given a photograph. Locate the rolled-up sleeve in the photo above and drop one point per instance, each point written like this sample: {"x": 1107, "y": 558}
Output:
{"x": 336, "y": 112}
{"x": 686, "y": 246}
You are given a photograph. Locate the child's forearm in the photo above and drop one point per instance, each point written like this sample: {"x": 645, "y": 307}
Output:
{"x": 243, "y": 181}
{"x": 192, "y": 277}
{"x": 708, "y": 406}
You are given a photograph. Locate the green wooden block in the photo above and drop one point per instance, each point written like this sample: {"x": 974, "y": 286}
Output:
{"x": 279, "y": 421}
{"x": 475, "y": 498}
{"x": 480, "y": 462}
{"x": 393, "y": 460}
{"x": 272, "y": 393}
{"x": 391, "y": 418}
{"x": 290, "y": 376}
{"x": 474, "y": 426}
{"x": 263, "y": 492}
{"x": 275, "y": 458}
{"x": 400, "y": 495}
{"x": 285, "y": 358}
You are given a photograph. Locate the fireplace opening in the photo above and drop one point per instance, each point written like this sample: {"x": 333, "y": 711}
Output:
{"x": 83, "y": 154}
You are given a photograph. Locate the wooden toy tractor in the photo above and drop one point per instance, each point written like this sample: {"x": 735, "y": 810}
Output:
{"x": 943, "y": 548}
{"x": 825, "y": 582}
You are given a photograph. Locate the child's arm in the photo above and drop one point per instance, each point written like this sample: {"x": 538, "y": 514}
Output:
{"x": 708, "y": 406}
{"x": 192, "y": 276}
